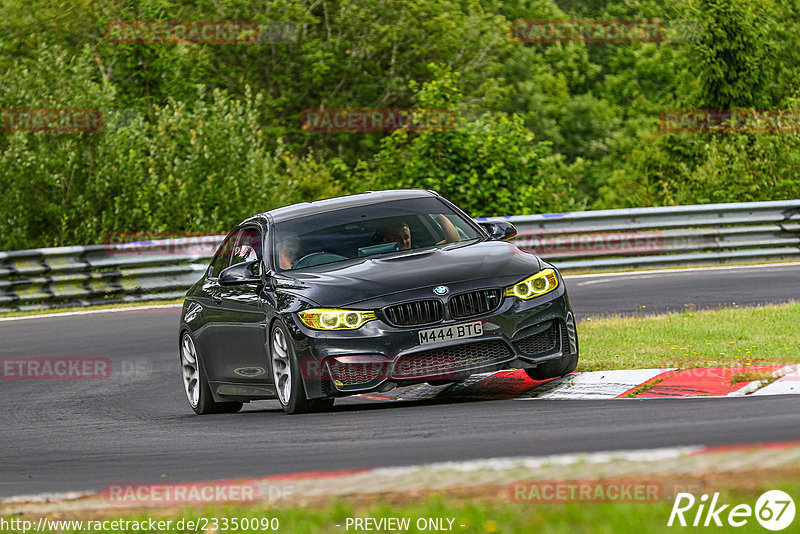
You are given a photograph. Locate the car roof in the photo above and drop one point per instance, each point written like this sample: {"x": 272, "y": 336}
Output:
{"x": 304, "y": 209}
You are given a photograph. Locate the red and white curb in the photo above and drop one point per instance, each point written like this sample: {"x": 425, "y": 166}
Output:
{"x": 596, "y": 384}
{"x": 787, "y": 383}
{"x": 636, "y": 383}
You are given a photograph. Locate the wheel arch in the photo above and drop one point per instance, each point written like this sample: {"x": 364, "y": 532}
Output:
{"x": 201, "y": 361}
{"x": 312, "y": 390}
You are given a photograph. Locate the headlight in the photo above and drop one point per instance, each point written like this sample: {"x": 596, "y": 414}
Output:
{"x": 333, "y": 319}
{"x": 540, "y": 283}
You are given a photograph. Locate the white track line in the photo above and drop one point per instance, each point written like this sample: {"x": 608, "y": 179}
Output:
{"x": 684, "y": 270}
{"x": 532, "y": 462}
{"x": 46, "y": 497}
{"x": 91, "y": 312}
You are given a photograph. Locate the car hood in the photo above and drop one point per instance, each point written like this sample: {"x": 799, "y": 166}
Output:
{"x": 412, "y": 275}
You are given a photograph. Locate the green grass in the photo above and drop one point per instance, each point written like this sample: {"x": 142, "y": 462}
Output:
{"x": 501, "y": 515}
{"x": 749, "y": 376}
{"x": 709, "y": 338}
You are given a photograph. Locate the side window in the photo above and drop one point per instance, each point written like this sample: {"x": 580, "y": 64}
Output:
{"x": 223, "y": 257}
{"x": 248, "y": 246}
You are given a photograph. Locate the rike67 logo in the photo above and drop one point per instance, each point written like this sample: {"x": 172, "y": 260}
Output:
{"x": 774, "y": 510}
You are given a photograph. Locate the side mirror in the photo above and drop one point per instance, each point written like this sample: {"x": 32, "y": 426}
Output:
{"x": 241, "y": 273}
{"x": 500, "y": 230}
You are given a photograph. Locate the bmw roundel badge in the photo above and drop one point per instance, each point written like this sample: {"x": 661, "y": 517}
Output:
{"x": 441, "y": 290}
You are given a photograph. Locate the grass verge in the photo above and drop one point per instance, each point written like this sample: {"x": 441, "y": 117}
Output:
{"x": 707, "y": 338}
{"x": 493, "y": 510}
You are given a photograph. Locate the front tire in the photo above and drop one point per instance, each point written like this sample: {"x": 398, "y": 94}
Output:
{"x": 287, "y": 377}
{"x": 195, "y": 383}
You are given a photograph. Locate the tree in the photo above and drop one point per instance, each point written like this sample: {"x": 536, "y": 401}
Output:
{"x": 489, "y": 164}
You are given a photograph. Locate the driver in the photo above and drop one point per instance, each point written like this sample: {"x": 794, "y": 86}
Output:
{"x": 288, "y": 253}
{"x": 399, "y": 232}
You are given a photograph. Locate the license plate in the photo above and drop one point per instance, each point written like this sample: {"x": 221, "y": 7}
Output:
{"x": 450, "y": 333}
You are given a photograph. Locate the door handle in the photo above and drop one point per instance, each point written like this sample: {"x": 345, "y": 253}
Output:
{"x": 217, "y": 299}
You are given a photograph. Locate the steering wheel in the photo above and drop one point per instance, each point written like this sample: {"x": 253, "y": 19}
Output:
{"x": 317, "y": 258}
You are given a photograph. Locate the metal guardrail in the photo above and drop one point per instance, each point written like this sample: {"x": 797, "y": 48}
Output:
{"x": 102, "y": 274}
{"x": 596, "y": 240}
{"x": 663, "y": 237}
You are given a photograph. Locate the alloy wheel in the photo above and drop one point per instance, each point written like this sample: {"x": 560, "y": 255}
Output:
{"x": 281, "y": 366}
{"x": 190, "y": 370}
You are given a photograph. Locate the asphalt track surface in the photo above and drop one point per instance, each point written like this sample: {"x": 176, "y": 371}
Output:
{"x": 136, "y": 426}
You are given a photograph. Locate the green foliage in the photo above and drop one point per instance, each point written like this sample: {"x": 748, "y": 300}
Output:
{"x": 740, "y": 61}
{"x": 735, "y": 59}
{"x": 42, "y": 174}
{"x": 214, "y": 130}
{"x": 201, "y": 167}
{"x": 488, "y": 165}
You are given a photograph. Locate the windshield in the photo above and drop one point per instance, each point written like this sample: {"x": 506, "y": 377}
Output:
{"x": 394, "y": 227}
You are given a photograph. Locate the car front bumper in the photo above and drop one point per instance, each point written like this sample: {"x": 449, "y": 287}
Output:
{"x": 379, "y": 356}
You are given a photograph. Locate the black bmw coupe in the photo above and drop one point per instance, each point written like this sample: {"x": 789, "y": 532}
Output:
{"x": 366, "y": 293}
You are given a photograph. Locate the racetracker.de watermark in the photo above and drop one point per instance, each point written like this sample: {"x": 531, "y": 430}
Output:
{"x": 150, "y": 494}
{"x": 743, "y": 373}
{"x": 352, "y": 371}
{"x": 54, "y": 368}
{"x": 549, "y": 243}
{"x": 172, "y": 32}
{"x": 161, "y": 243}
{"x": 604, "y": 31}
{"x": 377, "y": 120}
{"x": 730, "y": 121}
{"x": 562, "y": 491}
{"x": 51, "y": 120}
{"x": 72, "y": 368}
